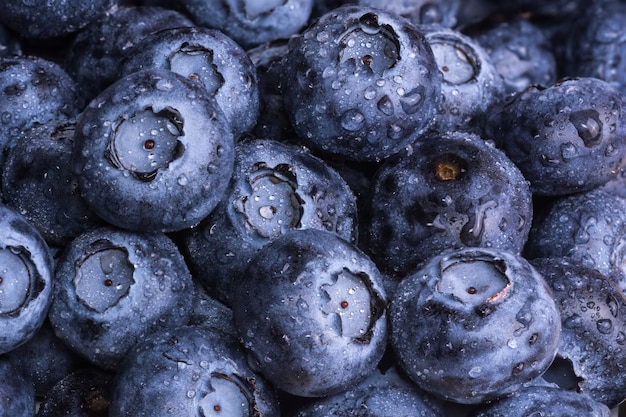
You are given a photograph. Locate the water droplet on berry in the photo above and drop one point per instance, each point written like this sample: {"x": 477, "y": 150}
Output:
{"x": 352, "y": 120}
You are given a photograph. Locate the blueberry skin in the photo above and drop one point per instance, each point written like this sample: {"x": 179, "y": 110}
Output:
{"x": 521, "y": 53}
{"x": 33, "y": 90}
{"x": 85, "y": 392}
{"x": 209, "y": 57}
{"x": 250, "y": 23}
{"x": 439, "y": 12}
{"x": 153, "y": 152}
{"x": 45, "y": 359}
{"x": 566, "y": 138}
{"x": 450, "y": 191}
{"x": 589, "y": 228}
{"x": 190, "y": 371}
{"x": 54, "y": 18}
{"x": 380, "y": 395}
{"x": 474, "y": 324}
{"x": 275, "y": 188}
{"x": 593, "y": 318}
{"x": 17, "y": 395}
{"x": 360, "y": 83}
{"x": 207, "y": 311}
{"x": 94, "y": 57}
{"x": 38, "y": 182}
{"x": 311, "y": 311}
{"x": 472, "y": 85}
{"x": 27, "y": 265}
{"x": 113, "y": 287}
{"x": 544, "y": 402}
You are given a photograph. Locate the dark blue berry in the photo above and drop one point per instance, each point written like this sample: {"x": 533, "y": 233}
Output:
{"x": 471, "y": 86}
{"x": 53, "y": 18}
{"x": 520, "y": 51}
{"x": 360, "y": 83}
{"x": 544, "y": 402}
{"x": 473, "y": 325}
{"x": 595, "y": 44}
{"x": 450, "y": 191}
{"x": 593, "y": 335}
{"x": 113, "y": 288}
{"x": 567, "y": 137}
{"x": 190, "y": 370}
{"x": 153, "y": 152}
{"x": 589, "y": 228}
{"x": 38, "y": 182}
{"x": 33, "y": 90}
{"x": 250, "y": 22}
{"x": 311, "y": 310}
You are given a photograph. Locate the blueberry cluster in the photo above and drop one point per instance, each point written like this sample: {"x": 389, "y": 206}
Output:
{"x": 312, "y": 208}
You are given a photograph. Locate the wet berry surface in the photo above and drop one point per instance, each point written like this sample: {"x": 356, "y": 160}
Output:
{"x": 312, "y": 208}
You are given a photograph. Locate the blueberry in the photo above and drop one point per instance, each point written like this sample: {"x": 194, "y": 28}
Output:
{"x": 380, "y": 395}
{"x": 311, "y": 310}
{"x": 17, "y": 395}
{"x": 472, "y": 86}
{"x": 440, "y": 12}
{"x": 360, "y": 83}
{"x": 190, "y": 371}
{"x": 113, "y": 287}
{"x": 153, "y": 152}
{"x": 26, "y": 269}
{"x": 595, "y": 45}
{"x": 85, "y": 392}
{"x": 38, "y": 182}
{"x": 94, "y": 56}
{"x": 567, "y": 137}
{"x": 521, "y": 53}
{"x": 545, "y": 402}
{"x": 249, "y": 23}
{"x": 449, "y": 191}
{"x": 275, "y": 188}
{"x": 209, "y": 57}
{"x": 45, "y": 359}
{"x": 54, "y": 18}
{"x": 474, "y": 324}
{"x": 587, "y": 227}
{"x": 593, "y": 317}
{"x": 32, "y": 90}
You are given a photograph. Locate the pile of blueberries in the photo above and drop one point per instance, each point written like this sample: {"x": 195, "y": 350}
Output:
{"x": 312, "y": 208}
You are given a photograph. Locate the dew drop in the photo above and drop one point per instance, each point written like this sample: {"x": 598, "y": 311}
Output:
{"x": 475, "y": 371}
{"x": 605, "y": 326}
{"x": 352, "y": 120}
